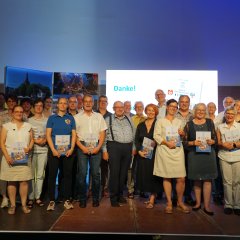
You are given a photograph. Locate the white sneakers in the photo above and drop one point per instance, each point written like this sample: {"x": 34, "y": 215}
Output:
{"x": 68, "y": 205}
{"x": 4, "y": 203}
{"x": 51, "y": 206}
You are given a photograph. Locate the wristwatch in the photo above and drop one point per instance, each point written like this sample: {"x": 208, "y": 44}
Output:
{"x": 234, "y": 145}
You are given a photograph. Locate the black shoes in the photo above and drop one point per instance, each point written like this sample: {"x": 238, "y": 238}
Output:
{"x": 95, "y": 204}
{"x": 82, "y": 204}
{"x": 228, "y": 211}
{"x": 196, "y": 208}
{"x": 143, "y": 195}
{"x": 210, "y": 213}
{"x": 188, "y": 200}
{"x": 115, "y": 204}
{"x": 122, "y": 200}
{"x": 236, "y": 212}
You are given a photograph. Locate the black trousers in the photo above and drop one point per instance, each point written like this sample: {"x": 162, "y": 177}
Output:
{"x": 54, "y": 164}
{"x": 120, "y": 155}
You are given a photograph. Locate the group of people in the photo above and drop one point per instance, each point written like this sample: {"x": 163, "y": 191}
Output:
{"x": 170, "y": 148}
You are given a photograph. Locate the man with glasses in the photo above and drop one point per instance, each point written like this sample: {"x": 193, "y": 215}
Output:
{"x": 118, "y": 149}
{"x": 90, "y": 137}
{"x": 160, "y": 96}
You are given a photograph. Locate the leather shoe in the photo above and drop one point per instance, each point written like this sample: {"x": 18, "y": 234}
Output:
{"x": 143, "y": 195}
{"x": 237, "y": 211}
{"x": 196, "y": 208}
{"x": 122, "y": 200}
{"x": 210, "y": 213}
{"x": 228, "y": 211}
{"x": 115, "y": 204}
{"x": 82, "y": 204}
{"x": 95, "y": 204}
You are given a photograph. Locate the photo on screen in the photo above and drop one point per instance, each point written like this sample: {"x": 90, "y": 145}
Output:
{"x": 25, "y": 82}
{"x": 65, "y": 84}
{"x": 140, "y": 85}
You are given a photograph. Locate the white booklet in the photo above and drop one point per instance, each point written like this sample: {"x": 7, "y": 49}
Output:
{"x": 172, "y": 135}
{"x": 39, "y": 133}
{"x": 18, "y": 154}
{"x": 231, "y": 136}
{"x": 62, "y": 143}
{"x": 147, "y": 147}
{"x": 203, "y": 136}
{"x": 90, "y": 141}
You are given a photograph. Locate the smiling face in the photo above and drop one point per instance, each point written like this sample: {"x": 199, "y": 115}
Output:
{"x": 230, "y": 115}
{"x": 160, "y": 96}
{"x": 184, "y": 103}
{"x": 172, "y": 108}
{"x": 211, "y": 108}
{"x": 200, "y": 111}
{"x": 150, "y": 112}
{"x": 62, "y": 105}
{"x": 139, "y": 108}
{"x": 88, "y": 103}
{"x": 17, "y": 113}
{"x": 118, "y": 108}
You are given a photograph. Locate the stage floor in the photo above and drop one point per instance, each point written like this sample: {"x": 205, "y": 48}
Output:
{"x": 132, "y": 219}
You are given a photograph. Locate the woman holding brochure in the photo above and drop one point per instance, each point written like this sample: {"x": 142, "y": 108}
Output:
{"x": 61, "y": 138}
{"x": 228, "y": 134}
{"x": 169, "y": 158}
{"x": 146, "y": 146}
{"x": 200, "y": 141}
{"x": 16, "y": 144}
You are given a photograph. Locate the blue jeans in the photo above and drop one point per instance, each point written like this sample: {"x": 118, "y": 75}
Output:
{"x": 94, "y": 162}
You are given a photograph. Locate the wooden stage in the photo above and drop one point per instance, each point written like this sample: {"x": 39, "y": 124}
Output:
{"x": 132, "y": 219}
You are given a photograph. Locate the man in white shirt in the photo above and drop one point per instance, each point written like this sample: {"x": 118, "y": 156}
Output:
{"x": 90, "y": 128}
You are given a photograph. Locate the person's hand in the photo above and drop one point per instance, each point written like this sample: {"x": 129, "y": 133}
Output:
{"x": 85, "y": 150}
{"x": 171, "y": 144}
{"x": 26, "y": 150}
{"x": 94, "y": 150}
{"x": 69, "y": 152}
{"x": 142, "y": 153}
{"x": 181, "y": 132}
{"x": 210, "y": 142}
{"x": 134, "y": 152}
{"x": 9, "y": 160}
{"x": 228, "y": 145}
{"x": 105, "y": 156}
{"x": 55, "y": 153}
{"x": 197, "y": 143}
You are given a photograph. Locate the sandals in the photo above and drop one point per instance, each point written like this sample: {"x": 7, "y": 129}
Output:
{"x": 39, "y": 203}
{"x": 30, "y": 203}
{"x": 168, "y": 209}
{"x": 183, "y": 208}
{"x": 11, "y": 210}
{"x": 25, "y": 209}
{"x": 149, "y": 205}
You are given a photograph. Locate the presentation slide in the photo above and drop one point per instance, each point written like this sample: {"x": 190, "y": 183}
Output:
{"x": 140, "y": 85}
